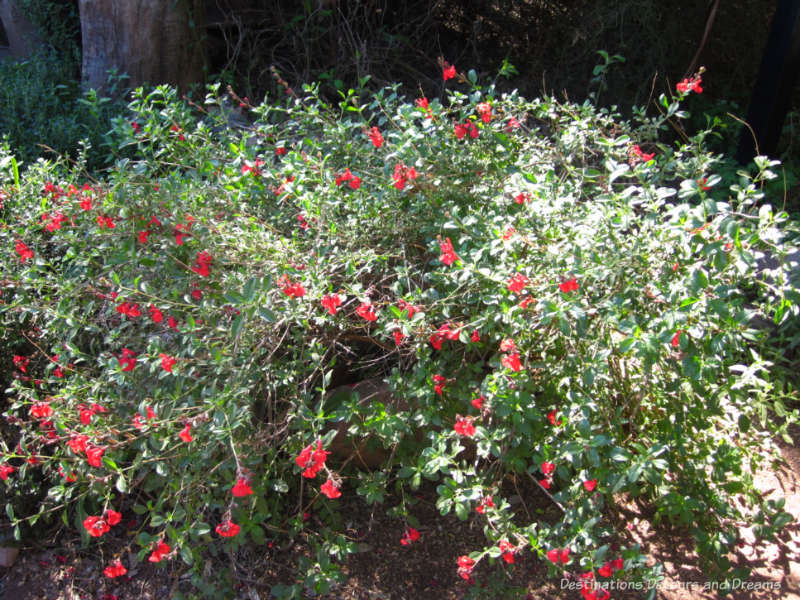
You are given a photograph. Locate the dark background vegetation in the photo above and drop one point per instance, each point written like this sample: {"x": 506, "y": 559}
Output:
{"x": 552, "y": 43}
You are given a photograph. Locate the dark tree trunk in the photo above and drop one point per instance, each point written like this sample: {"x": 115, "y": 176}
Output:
{"x": 152, "y": 41}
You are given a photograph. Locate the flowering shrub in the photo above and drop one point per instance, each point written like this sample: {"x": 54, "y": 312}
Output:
{"x": 547, "y": 308}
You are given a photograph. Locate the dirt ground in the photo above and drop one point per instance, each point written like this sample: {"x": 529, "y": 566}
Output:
{"x": 383, "y": 569}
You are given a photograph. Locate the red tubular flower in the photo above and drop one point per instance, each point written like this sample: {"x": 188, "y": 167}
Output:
{"x": 280, "y": 151}
{"x": 448, "y": 256}
{"x": 21, "y": 362}
{"x": 375, "y": 137}
{"x": 399, "y": 336}
{"x": 464, "y": 426}
{"x": 331, "y": 302}
{"x": 228, "y": 528}
{"x": 172, "y": 323}
{"x": 605, "y": 570}
{"x": 78, "y": 443}
{"x": 590, "y": 485}
{"x": 475, "y": 337}
{"x": 422, "y": 103}
{"x": 548, "y": 468}
{"x": 545, "y": 483}
{"x": 478, "y": 402}
{"x": 242, "y": 488}
{"x": 439, "y": 382}
{"x": 551, "y": 416}
{"x": 460, "y": 130}
{"x": 690, "y": 85}
{"x": 115, "y": 569}
{"x": 112, "y": 517}
{"x": 330, "y": 489}
{"x": 402, "y": 174}
{"x": 143, "y": 235}
{"x": 571, "y": 285}
{"x": 156, "y": 314}
{"x": 185, "y": 435}
{"x": 367, "y": 311}
{"x": 346, "y": 176}
{"x": 41, "y": 410}
{"x": 676, "y": 339}
{"x": 517, "y": 283}
{"x": 94, "y": 455}
{"x": 128, "y": 359}
{"x": 312, "y": 460}
{"x": 508, "y": 551}
{"x": 508, "y": 345}
{"x": 485, "y": 503}
{"x": 448, "y": 71}
{"x": 167, "y": 362}
{"x": 522, "y": 197}
{"x": 511, "y": 361}
{"x": 465, "y": 566}
{"x": 618, "y": 564}
{"x": 563, "y": 556}
{"x": 411, "y": 535}
{"x": 161, "y": 550}
{"x": 96, "y": 526}
{"x": 5, "y": 471}
{"x": 24, "y": 252}
{"x": 484, "y": 109}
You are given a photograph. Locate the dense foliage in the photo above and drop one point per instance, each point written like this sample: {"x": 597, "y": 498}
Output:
{"x": 552, "y": 295}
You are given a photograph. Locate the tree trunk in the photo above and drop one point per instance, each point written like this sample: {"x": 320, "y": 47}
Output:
{"x": 152, "y": 41}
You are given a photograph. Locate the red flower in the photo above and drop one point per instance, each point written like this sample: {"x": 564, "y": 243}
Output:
{"x": 473, "y": 131}
{"x": 96, "y": 526}
{"x": 571, "y": 285}
{"x": 156, "y": 314}
{"x": 330, "y": 489}
{"x": 485, "y": 503}
{"x": 512, "y": 124}
{"x": 228, "y": 528}
{"x": 422, "y": 103}
{"x": 399, "y": 336}
{"x": 331, "y": 302}
{"x": 367, "y": 311}
{"x": 448, "y": 70}
{"x": 185, "y": 435}
{"x": 280, "y": 151}
{"x": 24, "y": 252}
{"x": 375, "y": 137}
{"x": 511, "y": 361}
{"x": 355, "y": 183}
{"x": 701, "y": 183}
{"x": 508, "y": 345}
{"x": 555, "y": 556}
{"x": 78, "y": 443}
{"x": 21, "y": 362}
{"x": 636, "y": 154}
{"x": 312, "y": 460}
{"x": 291, "y": 289}
{"x": 605, "y": 570}
{"x": 142, "y": 235}
{"x": 115, "y": 569}
{"x": 485, "y": 111}
{"x": 202, "y": 263}
{"x": 112, "y": 517}
{"x": 86, "y": 203}
{"x": 478, "y": 402}
{"x": 242, "y": 488}
{"x": 167, "y": 362}
{"x": 465, "y": 566}
{"x": 150, "y": 413}
{"x": 545, "y": 483}
{"x": 346, "y": 176}
{"x": 411, "y": 535}
{"x": 5, "y": 471}
{"x": 41, "y": 410}
{"x": 179, "y": 235}
{"x": 522, "y": 197}
{"x": 172, "y": 323}
{"x": 448, "y": 256}
{"x": 104, "y": 221}
{"x": 439, "y": 382}
{"x": 590, "y": 485}
{"x": 551, "y": 416}
{"x": 548, "y": 468}
{"x": 128, "y": 359}
{"x": 690, "y": 85}
{"x": 508, "y": 551}
{"x": 618, "y": 564}
{"x": 402, "y": 174}
{"x": 676, "y": 339}
{"x": 517, "y": 283}
{"x": 94, "y": 455}
{"x": 161, "y": 550}
{"x": 464, "y": 426}
{"x": 460, "y": 130}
